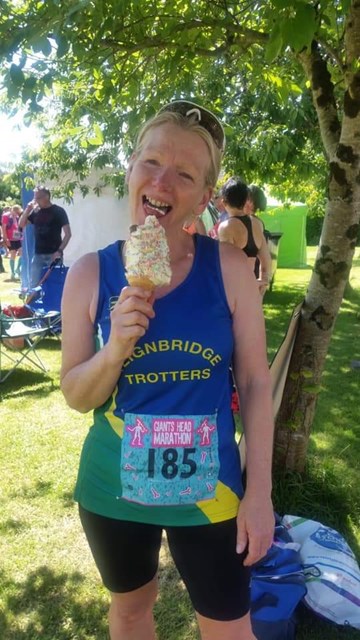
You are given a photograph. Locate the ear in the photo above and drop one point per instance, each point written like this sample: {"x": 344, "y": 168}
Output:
{"x": 208, "y": 193}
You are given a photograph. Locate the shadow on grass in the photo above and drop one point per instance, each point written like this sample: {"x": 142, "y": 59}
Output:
{"x": 12, "y": 526}
{"x": 278, "y": 308}
{"x": 316, "y": 495}
{"x": 47, "y": 605}
{"x": 28, "y": 383}
{"x": 310, "y": 626}
{"x": 51, "y": 344}
{"x": 68, "y": 500}
{"x": 38, "y": 490}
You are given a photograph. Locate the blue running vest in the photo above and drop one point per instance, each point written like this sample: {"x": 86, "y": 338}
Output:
{"x": 162, "y": 449}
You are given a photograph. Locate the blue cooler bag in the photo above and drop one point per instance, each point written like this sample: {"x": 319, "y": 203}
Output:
{"x": 277, "y": 588}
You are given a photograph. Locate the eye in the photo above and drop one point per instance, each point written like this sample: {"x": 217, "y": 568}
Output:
{"x": 152, "y": 161}
{"x": 186, "y": 175}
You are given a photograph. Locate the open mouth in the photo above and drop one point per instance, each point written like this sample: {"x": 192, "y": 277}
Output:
{"x": 156, "y": 207}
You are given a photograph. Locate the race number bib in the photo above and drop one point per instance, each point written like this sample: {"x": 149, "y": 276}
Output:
{"x": 169, "y": 460}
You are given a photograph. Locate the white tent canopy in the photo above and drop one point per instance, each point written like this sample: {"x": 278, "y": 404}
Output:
{"x": 95, "y": 221}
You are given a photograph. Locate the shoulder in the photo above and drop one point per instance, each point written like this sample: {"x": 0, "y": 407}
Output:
{"x": 232, "y": 230}
{"x": 257, "y": 223}
{"x": 83, "y": 276}
{"x": 84, "y": 269}
{"x": 59, "y": 210}
{"x": 82, "y": 286}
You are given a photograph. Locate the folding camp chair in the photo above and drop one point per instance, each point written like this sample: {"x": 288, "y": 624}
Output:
{"x": 45, "y": 298}
{"x": 19, "y": 338}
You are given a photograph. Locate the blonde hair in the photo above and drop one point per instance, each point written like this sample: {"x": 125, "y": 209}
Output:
{"x": 188, "y": 124}
{"x": 16, "y": 207}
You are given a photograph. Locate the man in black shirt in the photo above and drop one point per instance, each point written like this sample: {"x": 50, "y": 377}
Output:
{"x": 51, "y": 229}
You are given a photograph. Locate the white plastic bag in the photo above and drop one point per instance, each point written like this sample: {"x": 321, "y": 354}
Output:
{"x": 331, "y": 572}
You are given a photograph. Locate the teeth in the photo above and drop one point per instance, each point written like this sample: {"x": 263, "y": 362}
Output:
{"x": 158, "y": 203}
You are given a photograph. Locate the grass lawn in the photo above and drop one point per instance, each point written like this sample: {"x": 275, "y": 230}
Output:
{"x": 49, "y": 588}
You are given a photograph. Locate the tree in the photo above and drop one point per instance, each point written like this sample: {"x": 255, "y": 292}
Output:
{"x": 283, "y": 74}
{"x": 9, "y": 187}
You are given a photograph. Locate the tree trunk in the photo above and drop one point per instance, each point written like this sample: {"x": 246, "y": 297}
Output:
{"x": 336, "y": 248}
{"x": 321, "y": 306}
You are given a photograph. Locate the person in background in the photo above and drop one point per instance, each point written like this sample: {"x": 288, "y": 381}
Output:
{"x": 52, "y": 231}
{"x": 12, "y": 238}
{"x": 218, "y": 213}
{"x": 195, "y": 225}
{"x": 219, "y": 204}
{"x": 244, "y": 231}
{"x": 256, "y": 202}
{"x": 3, "y": 250}
{"x": 162, "y": 452}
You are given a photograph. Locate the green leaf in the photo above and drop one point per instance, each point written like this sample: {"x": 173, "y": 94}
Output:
{"x": 281, "y": 4}
{"x": 299, "y": 31}
{"x": 41, "y": 45}
{"x": 62, "y": 46}
{"x": 48, "y": 79}
{"x": 98, "y": 135}
{"x": 30, "y": 82}
{"x": 28, "y": 94}
{"x": 274, "y": 44}
{"x": 16, "y": 75}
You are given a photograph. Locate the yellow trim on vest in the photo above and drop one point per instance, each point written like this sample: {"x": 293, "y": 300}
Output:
{"x": 116, "y": 423}
{"x": 225, "y": 502}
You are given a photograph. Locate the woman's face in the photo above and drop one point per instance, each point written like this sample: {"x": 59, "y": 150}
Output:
{"x": 166, "y": 178}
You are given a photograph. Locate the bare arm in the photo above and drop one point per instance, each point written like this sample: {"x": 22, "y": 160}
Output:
{"x": 234, "y": 232}
{"x": 4, "y": 233}
{"x": 66, "y": 235}
{"x": 265, "y": 266}
{"x": 252, "y": 377}
{"x": 87, "y": 377}
{"x": 23, "y": 220}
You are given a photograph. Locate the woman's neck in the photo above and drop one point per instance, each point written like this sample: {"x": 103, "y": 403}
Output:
{"x": 233, "y": 211}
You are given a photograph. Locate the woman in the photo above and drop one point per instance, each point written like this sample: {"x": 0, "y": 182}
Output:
{"x": 12, "y": 235}
{"x": 244, "y": 230}
{"x": 160, "y": 365}
{"x": 257, "y": 202}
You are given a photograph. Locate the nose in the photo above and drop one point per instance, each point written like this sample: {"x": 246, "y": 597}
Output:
{"x": 164, "y": 178}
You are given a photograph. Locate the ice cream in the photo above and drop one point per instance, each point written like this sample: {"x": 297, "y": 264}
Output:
{"x": 147, "y": 255}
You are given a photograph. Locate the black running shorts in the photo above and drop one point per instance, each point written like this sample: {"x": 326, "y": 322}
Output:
{"x": 127, "y": 555}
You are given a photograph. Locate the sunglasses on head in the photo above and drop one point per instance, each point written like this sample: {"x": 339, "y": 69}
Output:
{"x": 205, "y": 118}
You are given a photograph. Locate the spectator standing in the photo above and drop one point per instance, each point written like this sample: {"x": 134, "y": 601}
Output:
{"x": 256, "y": 202}
{"x": 12, "y": 238}
{"x": 218, "y": 213}
{"x": 52, "y": 231}
{"x": 245, "y": 231}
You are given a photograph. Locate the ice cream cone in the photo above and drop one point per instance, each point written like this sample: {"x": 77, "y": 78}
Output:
{"x": 141, "y": 281}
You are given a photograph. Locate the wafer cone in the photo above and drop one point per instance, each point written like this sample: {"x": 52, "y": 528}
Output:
{"x": 141, "y": 281}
